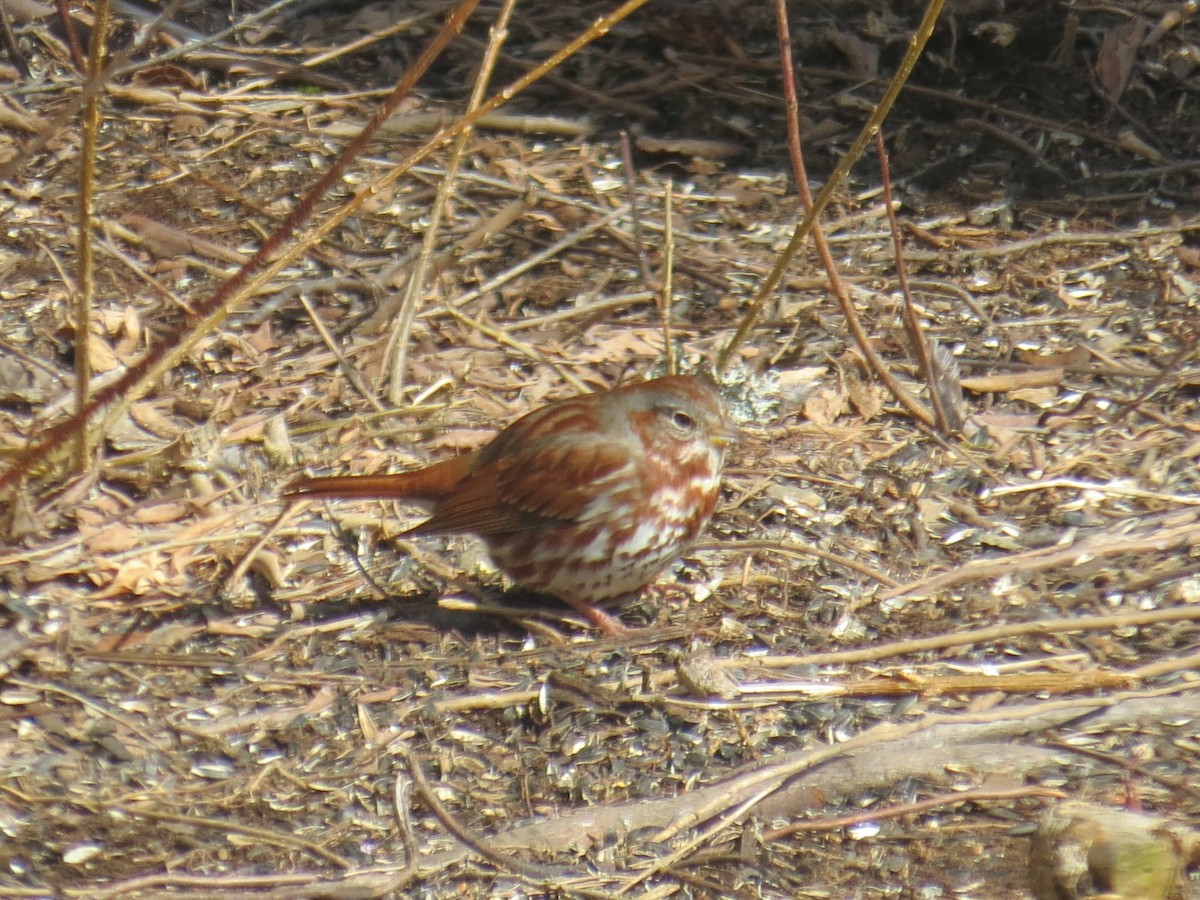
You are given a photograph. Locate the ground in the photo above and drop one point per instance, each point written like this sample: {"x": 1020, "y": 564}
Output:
{"x": 898, "y": 646}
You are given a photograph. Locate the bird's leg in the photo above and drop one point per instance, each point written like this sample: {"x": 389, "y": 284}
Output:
{"x": 606, "y": 623}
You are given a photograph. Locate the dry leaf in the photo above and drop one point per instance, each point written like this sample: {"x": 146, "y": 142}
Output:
{"x": 103, "y": 357}
{"x": 168, "y": 76}
{"x": 112, "y": 538}
{"x": 862, "y": 56}
{"x": 804, "y": 500}
{"x": 1134, "y": 143}
{"x": 1040, "y": 397}
{"x": 161, "y": 513}
{"x": 623, "y": 344}
{"x": 824, "y": 405}
{"x": 23, "y": 520}
{"x": 187, "y": 125}
{"x": 462, "y": 438}
{"x": 1188, "y": 255}
{"x": 146, "y": 414}
{"x": 1076, "y": 356}
{"x": 999, "y": 33}
{"x": 866, "y": 398}
{"x": 1118, "y": 53}
{"x": 700, "y": 676}
{"x": 25, "y": 383}
{"x": 25, "y": 10}
{"x": 136, "y": 576}
{"x": 15, "y": 119}
{"x": 698, "y": 148}
{"x": 1013, "y": 381}
{"x": 267, "y": 564}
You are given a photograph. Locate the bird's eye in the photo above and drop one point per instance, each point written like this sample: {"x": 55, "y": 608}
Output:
{"x": 683, "y": 421}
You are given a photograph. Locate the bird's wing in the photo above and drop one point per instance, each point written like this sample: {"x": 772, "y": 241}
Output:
{"x": 528, "y": 487}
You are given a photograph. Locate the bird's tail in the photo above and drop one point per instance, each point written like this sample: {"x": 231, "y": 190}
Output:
{"x": 430, "y": 483}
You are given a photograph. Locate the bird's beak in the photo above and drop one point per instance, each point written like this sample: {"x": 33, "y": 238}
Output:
{"x": 727, "y": 435}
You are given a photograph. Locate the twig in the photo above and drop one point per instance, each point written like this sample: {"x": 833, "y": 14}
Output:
{"x": 919, "y": 344}
{"x": 89, "y": 90}
{"x": 95, "y": 706}
{"x": 258, "y": 271}
{"x": 348, "y": 370}
{"x": 85, "y": 283}
{"x": 631, "y": 198}
{"x": 268, "y": 534}
{"x": 72, "y": 33}
{"x": 396, "y": 353}
{"x": 668, "y": 281}
{"x": 1173, "y": 537}
{"x": 777, "y": 775}
{"x": 861, "y": 339}
{"x": 8, "y": 39}
{"x": 1112, "y": 489}
{"x": 224, "y": 824}
{"x": 726, "y": 819}
{"x": 500, "y": 336}
{"x": 940, "y": 802}
{"x": 794, "y": 548}
{"x": 990, "y": 635}
{"x": 1188, "y": 348}
{"x": 836, "y": 177}
{"x": 532, "y": 262}
{"x": 211, "y": 312}
{"x": 506, "y": 863}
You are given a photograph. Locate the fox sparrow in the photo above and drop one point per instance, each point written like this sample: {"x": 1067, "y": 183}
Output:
{"x": 586, "y": 498}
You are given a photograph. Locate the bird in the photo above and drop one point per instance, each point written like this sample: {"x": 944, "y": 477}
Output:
{"x": 587, "y": 498}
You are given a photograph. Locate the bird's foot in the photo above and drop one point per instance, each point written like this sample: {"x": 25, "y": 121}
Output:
{"x": 605, "y": 622}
